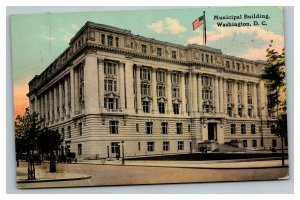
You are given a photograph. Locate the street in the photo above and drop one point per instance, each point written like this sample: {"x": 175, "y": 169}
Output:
{"x": 105, "y": 175}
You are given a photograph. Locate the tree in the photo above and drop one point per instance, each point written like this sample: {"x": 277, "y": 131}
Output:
{"x": 275, "y": 78}
{"x": 49, "y": 141}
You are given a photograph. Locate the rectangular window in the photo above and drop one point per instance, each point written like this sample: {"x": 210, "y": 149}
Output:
{"x": 102, "y": 39}
{"x": 161, "y": 107}
{"x": 229, "y": 98}
{"x": 139, "y": 146}
{"x": 252, "y": 129}
{"x": 274, "y": 143}
{"x": 161, "y": 91}
{"x": 164, "y": 127}
{"x": 180, "y": 145}
{"x": 145, "y": 89}
{"x": 176, "y": 108}
{"x": 158, "y": 51}
{"x": 250, "y": 112}
{"x": 150, "y": 146}
{"x": 249, "y": 100}
{"x": 179, "y": 128}
{"x": 174, "y": 54}
{"x": 175, "y": 93}
{"x": 206, "y": 81}
{"x": 229, "y": 111}
{"x": 110, "y": 40}
{"x": 144, "y": 48}
{"x": 146, "y": 107}
{"x": 175, "y": 78}
{"x": 110, "y": 103}
{"x": 243, "y": 128}
{"x": 237, "y": 66}
{"x": 232, "y": 128}
{"x": 254, "y": 143}
{"x": 110, "y": 68}
{"x": 245, "y": 144}
{"x": 81, "y": 84}
{"x": 110, "y": 85}
{"x": 239, "y": 84}
{"x": 166, "y": 146}
{"x": 145, "y": 74}
{"x": 113, "y": 127}
{"x": 137, "y": 128}
{"x": 227, "y": 64}
{"x": 80, "y": 129}
{"x": 161, "y": 76}
{"x": 273, "y": 129}
{"x": 79, "y": 149}
{"x": 117, "y": 42}
{"x": 239, "y": 99}
{"x": 249, "y": 88}
{"x": 229, "y": 86}
{"x": 149, "y": 126}
{"x": 240, "y": 112}
{"x": 115, "y": 147}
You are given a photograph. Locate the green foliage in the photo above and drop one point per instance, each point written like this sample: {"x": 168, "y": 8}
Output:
{"x": 49, "y": 140}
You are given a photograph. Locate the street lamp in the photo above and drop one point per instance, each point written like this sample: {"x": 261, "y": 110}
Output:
{"x": 123, "y": 160}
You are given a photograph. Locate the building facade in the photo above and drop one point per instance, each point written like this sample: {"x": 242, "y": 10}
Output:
{"x": 111, "y": 89}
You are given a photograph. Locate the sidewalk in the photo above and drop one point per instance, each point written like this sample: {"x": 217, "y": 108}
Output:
{"x": 43, "y": 175}
{"x": 215, "y": 164}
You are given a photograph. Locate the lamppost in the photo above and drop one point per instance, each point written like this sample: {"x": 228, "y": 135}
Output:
{"x": 123, "y": 160}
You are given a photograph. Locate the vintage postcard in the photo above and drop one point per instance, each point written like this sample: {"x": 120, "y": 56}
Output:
{"x": 149, "y": 96}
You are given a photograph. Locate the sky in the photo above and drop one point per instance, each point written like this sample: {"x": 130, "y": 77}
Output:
{"x": 38, "y": 39}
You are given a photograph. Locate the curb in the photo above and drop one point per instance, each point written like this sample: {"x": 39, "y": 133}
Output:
{"x": 52, "y": 180}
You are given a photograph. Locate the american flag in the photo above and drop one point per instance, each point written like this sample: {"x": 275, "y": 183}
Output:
{"x": 198, "y": 22}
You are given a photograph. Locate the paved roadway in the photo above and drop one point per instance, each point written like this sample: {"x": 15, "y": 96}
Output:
{"x": 104, "y": 175}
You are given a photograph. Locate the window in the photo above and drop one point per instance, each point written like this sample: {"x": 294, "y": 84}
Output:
{"x": 206, "y": 94}
{"x": 80, "y": 129}
{"x": 240, "y": 112}
{"x": 176, "y": 108}
{"x": 161, "y": 76}
{"x": 110, "y": 103}
{"x": 110, "y": 85}
{"x": 137, "y": 128}
{"x": 115, "y": 148}
{"x": 252, "y": 128}
{"x": 161, "y": 107}
{"x": 229, "y": 85}
{"x": 238, "y": 66}
{"x": 249, "y": 88}
{"x": 239, "y": 84}
{"x": 179, "y": 128}
{"x": 174, "y": 54}
{"x": 158, "y": 51}
{"x": 150, "y": 146}
{"x": 239, "y": 99}
{"x": 149, "y": 126}
{"x": 261, "y": 143}
{"x": 245, "y": 143}
{"x": 227, "y": 64}
{"x": 274, "y": 143}
{"x": 144, "y": 48}
{"x": 145, "y": 74}
{"x": 250, "y": 112}
{"x": 160, "y": 91}
{"x": 145, "y": 89}
{"x": 175, "y": 78}
{"x": 180, "y": 145}
{"x": 250, "y": 100}
{"x": 164, "y": 127}
{"x": 229, "y": 111}
{"x": 206, "y": 81}
{"x": 139, "y": 146}
{"x": 117, "y": 42}
{"x": 189, "y": 128}
{"x": 243, "y": 128}
{"x": 146, "y": 107}
{"x": 102, "y": 39}
{"x": 110, "y": 40}
{"x": 110, "y": 68}
{"x": 254, "y": 143}
{"x": 232, "y": 128}
{"x": 273, "y": 129}
{"x": 113, "y": 127}
{"x": 69, "y": 132}
{"x": 166, "y": 146}
{"x": 81, "y": 84}
{"x": 229, "y": 98}
{"x": 175, "y": 93}
{"x": 79, "y": 149}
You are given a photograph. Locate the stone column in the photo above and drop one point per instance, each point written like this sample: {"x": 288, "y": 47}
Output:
{"x": 195, "y": 94}
{"x": 76, "y": 93}
{"x": 72, "y": 83}
{"x": 138, "y": 89}
{"x": 200, "y": 93}
{"x": 153, "y": 90}
{"x": 55, "y": 99}
{"x": 182, "y": 91}
{"x": 122, "y": 86}
{"x": 50, "y": 105}
{"x": 235, "y": 98}
{"x": 101, "y": 83}
{"x": 190, "y": 96}
{"x": 262, "y": 99}
{"x": 61, "y": 100}
{"x": 169, "y": 93}
{"x": 254, "y": 100}
{"x": 66, "y": 98}
{"x": 46, "y": 110}
{"x": 129, "y": 86}
{"x": 221, "y": 87}
{"x": 91, "y": 85}
{"x": 245, "y": 98}
{"x": 217, "y": 94}
{"x": 225, "y": 96}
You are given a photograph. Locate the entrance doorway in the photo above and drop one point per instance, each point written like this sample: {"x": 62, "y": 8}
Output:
{"x": 212, "y": 131}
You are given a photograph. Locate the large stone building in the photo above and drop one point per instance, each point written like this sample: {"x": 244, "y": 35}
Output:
{"x": 111, "y": 86}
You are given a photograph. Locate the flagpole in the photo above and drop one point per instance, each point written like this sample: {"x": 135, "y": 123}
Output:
{"x": 204, "y": 27}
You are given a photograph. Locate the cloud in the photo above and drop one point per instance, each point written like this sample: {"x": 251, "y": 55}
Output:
{"x": 169, "y": 25}
{"x": 255, "y": 54}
